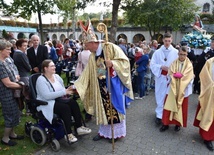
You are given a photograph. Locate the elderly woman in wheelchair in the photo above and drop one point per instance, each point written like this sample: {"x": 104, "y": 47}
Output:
{"x": 49, "y": 87}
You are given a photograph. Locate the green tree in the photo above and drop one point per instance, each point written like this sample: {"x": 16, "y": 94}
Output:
{"x": 158, "y": 14}
{"x": 107, "y": 14}
{"x": 114, "y": 16}
{"x": 68, "y": 9}
{"x": 25, "y": 9}
{"x": 85, "y": 16}
{"x": 116, "y": 5}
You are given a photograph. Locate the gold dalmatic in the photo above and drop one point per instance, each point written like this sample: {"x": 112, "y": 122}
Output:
{"x": 88, "y": 86}
{"x": 176, "y": 94}
{"x": 206, "y": 97}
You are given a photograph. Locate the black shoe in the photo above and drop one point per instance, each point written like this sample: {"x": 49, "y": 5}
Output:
{"x": 158, "y": 121}
{"x": 177, "y": 128}
{"x": 209, "y": 145}
{"x": 9, "y": 143}
{"x": 164, "y": 128}
{"x": 97, "y": 137}
{"x": 18, "y": 137}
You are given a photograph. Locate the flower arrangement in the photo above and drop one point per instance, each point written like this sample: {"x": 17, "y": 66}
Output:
{"x": 196, "y": 39}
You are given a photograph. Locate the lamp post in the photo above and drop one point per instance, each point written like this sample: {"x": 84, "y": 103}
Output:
{"x": 101, "y": 20}
{"x": 51, "y": 23}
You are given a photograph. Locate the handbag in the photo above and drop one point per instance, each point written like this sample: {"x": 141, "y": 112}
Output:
{"x": 79, "y": 67}
{"x": 62, "y": 99}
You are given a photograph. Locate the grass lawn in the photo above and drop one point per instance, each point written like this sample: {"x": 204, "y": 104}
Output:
{"x": 26, "y": 146}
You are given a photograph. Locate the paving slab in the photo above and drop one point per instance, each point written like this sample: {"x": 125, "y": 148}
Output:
{"x": 143, "y": 136}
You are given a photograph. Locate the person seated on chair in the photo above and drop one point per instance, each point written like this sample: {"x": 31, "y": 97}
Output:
{"x": 49, "y": 86}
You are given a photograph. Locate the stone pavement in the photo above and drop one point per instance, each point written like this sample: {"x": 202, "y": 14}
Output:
{"x": 143, "y": 136}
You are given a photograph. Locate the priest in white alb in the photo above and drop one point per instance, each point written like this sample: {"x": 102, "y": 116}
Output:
{"x": 160, "y": 62}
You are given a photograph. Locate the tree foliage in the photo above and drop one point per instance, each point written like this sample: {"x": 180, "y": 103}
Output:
{"x": 158, "y": 14}
{"x": 85, "y": 16}
{"x": 68, "y": 8}
{"x": 25, "y": 9}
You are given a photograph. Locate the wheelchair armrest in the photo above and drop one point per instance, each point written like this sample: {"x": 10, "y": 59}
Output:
{"x": 39, "y": 102}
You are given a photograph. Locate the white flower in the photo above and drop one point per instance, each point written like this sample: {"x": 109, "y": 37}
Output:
{"x": 207, "y": 36}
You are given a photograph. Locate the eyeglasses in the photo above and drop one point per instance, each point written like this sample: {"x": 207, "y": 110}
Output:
{"x": 8, "y": 49}
{"x": 183, "y": 54}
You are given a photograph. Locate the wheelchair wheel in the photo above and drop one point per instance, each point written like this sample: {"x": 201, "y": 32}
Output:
{"x": 55, "y": 145}
{"x": 38, "y": 136}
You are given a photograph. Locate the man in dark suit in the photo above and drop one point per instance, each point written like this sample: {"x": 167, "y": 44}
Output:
{"x": 37, "y": 54}
{"x": 206, "y": 54}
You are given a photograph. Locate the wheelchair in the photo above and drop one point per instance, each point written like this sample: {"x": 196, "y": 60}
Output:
{"x": 42, "y": 131}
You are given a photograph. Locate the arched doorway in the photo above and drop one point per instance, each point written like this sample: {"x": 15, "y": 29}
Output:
{"x": 46, "y": 37}
{"x": 70, "y": 36}
{"x": 54, "y": 37}
{"x": 122, "y": 36}
{"x": 158, "y": 37}
{"x": 138, "y": 37}
{"x": 30, "y": 35}
{"x": 62, "y": 37}
{"x": 206, "y": 7}
{"x": 21, "y": 35}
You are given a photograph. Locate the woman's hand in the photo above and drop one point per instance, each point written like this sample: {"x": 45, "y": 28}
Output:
{"x": 69, "y": 91}
{"x": 10, "y": 84}
{"x": 72, "y": 87}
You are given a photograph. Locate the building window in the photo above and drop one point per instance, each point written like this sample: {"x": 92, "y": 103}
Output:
{"x": 206, "y": 7}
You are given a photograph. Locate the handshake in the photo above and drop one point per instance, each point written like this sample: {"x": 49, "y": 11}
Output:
{"x": 177, "y": 75}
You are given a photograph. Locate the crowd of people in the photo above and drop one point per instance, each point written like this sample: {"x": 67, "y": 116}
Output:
{"x": 21, "y": 58}
{"x": 175, "y": 72}
{"x": 110, "y": 77}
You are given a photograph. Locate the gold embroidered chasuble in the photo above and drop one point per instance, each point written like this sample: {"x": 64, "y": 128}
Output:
{"x": 176, "y": 94}
{"x": 206, "y": 97}
{"x": 88, "y": 87}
